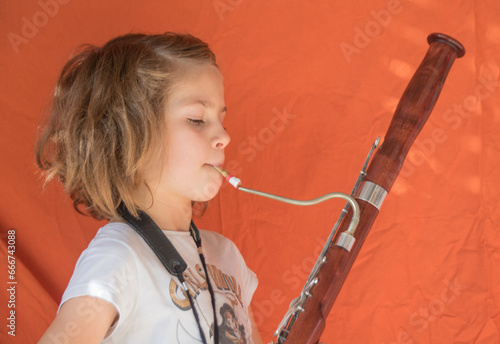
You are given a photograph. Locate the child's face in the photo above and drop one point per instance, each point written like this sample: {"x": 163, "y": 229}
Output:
{"x": 195, "y": 138}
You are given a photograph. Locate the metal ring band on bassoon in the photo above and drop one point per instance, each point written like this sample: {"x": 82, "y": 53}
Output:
{"x": 372, "y": 193}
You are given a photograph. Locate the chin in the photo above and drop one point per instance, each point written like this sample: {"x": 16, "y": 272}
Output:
{"x": 209, "y": 191}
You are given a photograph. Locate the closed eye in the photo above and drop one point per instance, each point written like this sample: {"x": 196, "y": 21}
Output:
{"x": 196, "y": 121}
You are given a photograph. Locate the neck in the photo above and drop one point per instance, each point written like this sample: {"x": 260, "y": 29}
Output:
{"x": 171, "y": 215}
{"x": 168, "y": 211}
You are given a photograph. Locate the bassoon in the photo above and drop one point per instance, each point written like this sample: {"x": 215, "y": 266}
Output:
{"x": 304, "y": 321}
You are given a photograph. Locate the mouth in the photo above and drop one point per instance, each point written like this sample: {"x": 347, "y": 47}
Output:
{"x": 216, "y": 165}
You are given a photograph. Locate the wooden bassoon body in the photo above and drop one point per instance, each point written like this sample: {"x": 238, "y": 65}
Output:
{"x": 306, "y": 325}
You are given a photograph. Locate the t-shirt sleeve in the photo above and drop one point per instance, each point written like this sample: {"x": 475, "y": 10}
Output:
{"x": 250, "y": 281}
{"x": 107, "y": 269}
{"x": 249, "y": 278}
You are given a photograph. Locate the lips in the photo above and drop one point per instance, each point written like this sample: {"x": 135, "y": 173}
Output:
{"x": 218, "y": 164}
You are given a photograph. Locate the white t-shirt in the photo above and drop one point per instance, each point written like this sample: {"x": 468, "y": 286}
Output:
{"x": 119, "y": 267}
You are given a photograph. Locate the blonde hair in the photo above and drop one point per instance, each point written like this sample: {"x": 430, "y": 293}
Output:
{"x": 107, "y": 117}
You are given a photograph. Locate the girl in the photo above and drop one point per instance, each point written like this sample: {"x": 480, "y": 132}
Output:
{"x": 137, "y": 125}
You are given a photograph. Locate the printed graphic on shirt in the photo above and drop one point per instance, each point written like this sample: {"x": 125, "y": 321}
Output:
{"x": 231, "y": 328}
{"x": 231, "y": 331}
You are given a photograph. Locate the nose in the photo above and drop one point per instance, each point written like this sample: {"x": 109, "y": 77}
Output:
{"x": 221, "y": 140}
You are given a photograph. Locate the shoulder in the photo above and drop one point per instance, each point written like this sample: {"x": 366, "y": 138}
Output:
{"x": 115, "y": 231}
{"x": 219, "y": 248}
{"x": 214, "y": 236}
{"x": 210, "y": 238}
{"x": 115, "y": 248}
{"x": 115, "y": 236}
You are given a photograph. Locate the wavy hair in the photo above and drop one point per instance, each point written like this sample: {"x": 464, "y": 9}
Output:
{"x": 107, "y": 117}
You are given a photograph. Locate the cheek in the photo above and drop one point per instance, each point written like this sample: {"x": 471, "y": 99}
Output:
{"x": 185, "y": 149}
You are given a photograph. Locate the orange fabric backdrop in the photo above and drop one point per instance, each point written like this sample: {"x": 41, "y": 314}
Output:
{"x": 309, "y": 86}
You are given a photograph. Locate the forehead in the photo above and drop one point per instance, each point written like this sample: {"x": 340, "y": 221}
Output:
{"x": 198, "y": 83}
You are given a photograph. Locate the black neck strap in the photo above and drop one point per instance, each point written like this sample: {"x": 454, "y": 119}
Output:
{"x": 155, "y": 238}
{"x": 168, "y": 255}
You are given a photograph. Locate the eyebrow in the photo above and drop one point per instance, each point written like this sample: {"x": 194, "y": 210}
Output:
{"x": 206, "y": 103}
